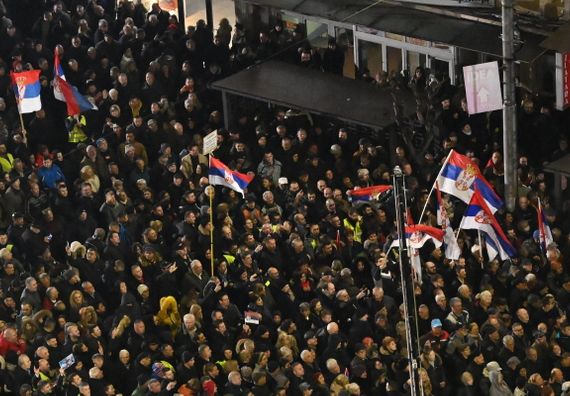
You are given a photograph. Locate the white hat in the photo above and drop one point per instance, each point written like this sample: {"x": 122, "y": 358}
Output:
{"x": 283, "y": 180}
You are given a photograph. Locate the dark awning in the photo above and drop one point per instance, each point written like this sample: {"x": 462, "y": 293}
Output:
{"x": 406, "y": 21}
{"x": 559, "y": 167}
{"x": 317, "y": 92}
{"x": 559, "y": 40}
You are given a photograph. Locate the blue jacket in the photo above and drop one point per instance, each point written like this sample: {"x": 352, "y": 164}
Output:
{"x": 51, "y": 176}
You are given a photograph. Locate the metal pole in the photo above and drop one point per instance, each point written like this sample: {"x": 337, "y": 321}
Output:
{"x": 211, "y": 196}
{"x": 209, "y": 15}
{"x": 182, "y": 15}
{"x": 509, "y": 107}
{"x": 406, "y": 281}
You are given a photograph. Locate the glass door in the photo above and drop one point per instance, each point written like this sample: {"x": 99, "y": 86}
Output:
{"x": 415, "y": 60}
{"x": 394, "y": 56}
{"x": 345, "y": 41}
{"x": 369, "y": 58}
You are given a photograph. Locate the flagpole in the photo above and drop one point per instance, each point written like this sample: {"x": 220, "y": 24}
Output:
{"x": 459, "y": 228}
{"x": 211, "y": 195}
{"x": 480, "y": 247}
{"x": 22, "y": 123}
{"x": 433, "y": 186}
{"x": 21, "y": 117}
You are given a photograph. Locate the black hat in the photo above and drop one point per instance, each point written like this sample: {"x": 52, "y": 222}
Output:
{"x": 517, "y": 280}
{"x": 250, "y": 197}
{"x": 359, "y": 347}
{"x": 187, "y": 356}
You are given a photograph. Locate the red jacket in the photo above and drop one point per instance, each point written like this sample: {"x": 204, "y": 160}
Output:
{"x": 6, "y": 346}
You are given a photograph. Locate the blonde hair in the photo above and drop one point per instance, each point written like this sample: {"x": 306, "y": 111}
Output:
{"x": 425, "y": 382}
{"x": 284, "y": 339}
{"x": 72, "y": 304}
{"x": 352, "y": 388}
{"x": 338, "y": 384}
{"x": 77, "y": 250}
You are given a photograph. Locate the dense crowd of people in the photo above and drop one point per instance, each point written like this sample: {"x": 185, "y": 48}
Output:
{"x": 105, "y": 251}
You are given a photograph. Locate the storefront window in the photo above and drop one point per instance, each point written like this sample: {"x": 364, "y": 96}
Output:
{"x": 317, "y": 34}
{"x": 290, "y": 22}
{"x": 439, "y": 67}
{"x": 345, "y": 40}
{"x": 370, "y": 58}
{"x": 415, "y": 60}
{"x": 195, "y": 10}
{"x": 394, "y": 60}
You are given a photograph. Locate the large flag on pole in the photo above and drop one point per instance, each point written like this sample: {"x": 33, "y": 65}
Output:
{"x": 27, "y": 90}
{"x": 544, "y": 233}
{"x": 367, "y": 193}
{"x": 460, "y": 176}
{"x": 220, "y": 175}
{"x": 478, "y": 216}
{"x": 64, "y": 91}
{"x": 452, "y": 249}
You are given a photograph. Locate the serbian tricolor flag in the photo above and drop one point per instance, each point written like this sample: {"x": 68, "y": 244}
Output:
{"x": 460, "y": 176}
{"x": 64, "y": 91}
{"x": 478, "y": 216}
{"x": 416, "y": 236}
{"x": 544, "y": 233}
{"x": 367, "y": 193}
{"x": 27, "y": 89}
{"x": 220, "y": 175}
{"x": 57, "y": 72}
{"x": 452, "y": 249}
{"x": 419, "y": 234}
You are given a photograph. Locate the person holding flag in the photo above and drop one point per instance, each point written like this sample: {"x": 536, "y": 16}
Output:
{"x": 76, "y": 123}
{"x": 220, "y": 174}
{"x": 416, "y": 236}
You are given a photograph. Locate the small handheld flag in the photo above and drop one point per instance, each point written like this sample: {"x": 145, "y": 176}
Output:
{"x": 27, "y": 90}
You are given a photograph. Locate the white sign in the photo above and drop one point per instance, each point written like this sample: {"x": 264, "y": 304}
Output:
{"x": 210, "y": 142}
{"x": 483, "y": 87}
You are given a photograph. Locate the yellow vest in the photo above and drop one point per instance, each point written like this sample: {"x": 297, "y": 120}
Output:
{"x": 7, "y": 162}
{"x": 76, "y": 135}
{"x": 357, "y": 230}
{"x": 229, "y": 258}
